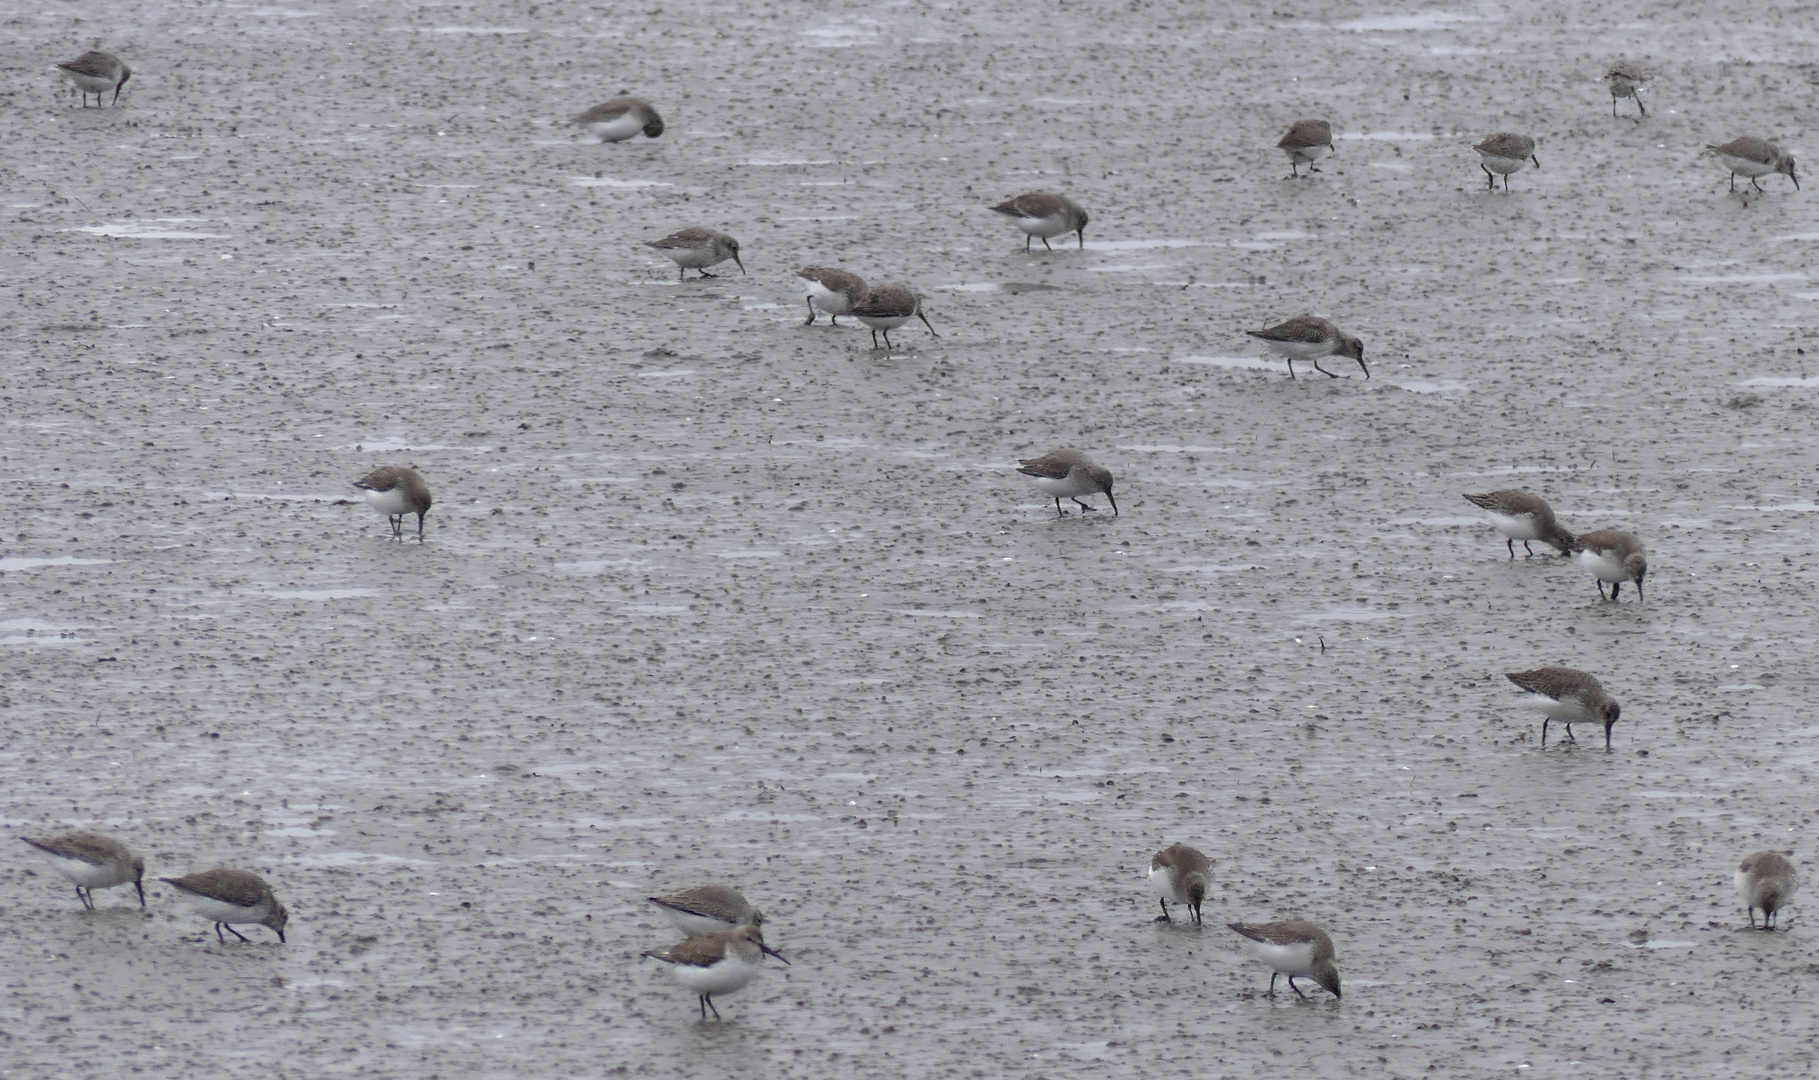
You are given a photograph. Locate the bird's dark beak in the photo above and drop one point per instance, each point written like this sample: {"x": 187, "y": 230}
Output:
{"x": 768, "y": 951}
{"x": 740, "y": 264}
{"x": 280, "y": 937}
{"x": 1114, "y": 502}
{"x": 1367, "y": 371}
{"x": 924, "y": 319}
{"x": 141, "y": 887}
{"x": 1536, "y": 160}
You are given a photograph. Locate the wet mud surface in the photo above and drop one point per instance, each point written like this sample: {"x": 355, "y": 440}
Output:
{"x": 708, "y": 594}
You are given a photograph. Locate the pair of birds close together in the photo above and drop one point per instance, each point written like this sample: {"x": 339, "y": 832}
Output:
{"x": 1612, "y": 555}
{"x": 1307, "y": 141}
{"x": 222, "y": 896}
{"x": 725, "y": 948}
{"x": 1294, "y": 947}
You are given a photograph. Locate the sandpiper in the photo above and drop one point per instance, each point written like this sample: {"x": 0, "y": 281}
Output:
{"x": 1295, "y": 947}
{"x": 695, "y": 248}
{"x": 1306, "y": 338}
{"x": 96, "y": 73}
{"x": 1615, "y": 556}
{"x": 1753, "y": 157}
{"x": 886, "y": 307}
{"x": 225, "y": 897}
{"x": 1502, "y": 154}
{"x": 1042, "y": 214}
{"x": 396, "y": 490}
{"x": 717, "y": 962}
{"x": 1568, "y": 695}
{"x": 621, "y": 118}
{"x": 700, "y": 909}
{"x": 92, "y": 862}
{"x": 1180, "y": 873}
{"x": 1306, "y": 142}
{"x": 1069, "y": 474}
{"x": 833, "y": 291}
{"x": 1524, "y": 516}
{"x": 1624, "y": 80}
{"x": 1766, "y": 880}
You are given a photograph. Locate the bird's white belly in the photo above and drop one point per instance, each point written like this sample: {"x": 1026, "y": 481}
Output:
{"x": 91, "y": 84}
{"x": 1502, "y": 166}
{"x": 1305, "y": 155}
{"x": 1068, "y": 487}
{"x": 223, "y": 912}
{"x": 693, "y": 257}
{"x": 834, "y": 303}
{"x": 1569, "y": 709}
{"x": 1517, "y": 526}
{"x": 1745, "y": 166}
{"x": 1288, "y": 959}
{"x": 722, "y": 977}
{"x": 88, "y": 875}
{"x": 617, "y": 129}
{"x": 390, "y": 503}
{"x": 1043, "y": 227}
{"x": 1159, "y": 882}
{"x": 885, "y": 322}
{"x": 1607, "y": 567}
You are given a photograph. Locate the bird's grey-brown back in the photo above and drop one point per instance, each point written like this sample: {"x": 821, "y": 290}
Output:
{"x": 710, "y": 901}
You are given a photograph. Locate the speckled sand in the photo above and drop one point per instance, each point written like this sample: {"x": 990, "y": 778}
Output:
{"x": 710, "y": 594}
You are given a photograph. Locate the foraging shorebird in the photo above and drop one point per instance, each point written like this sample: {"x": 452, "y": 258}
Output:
{"x": 833, "y": 291}
{"x": 1295, "y": 947}
{"x": 225, "y": 897}
{"x": 696, "y": 248}
{"x": 1180, "y": 873}
{"x": 96, "y": 73}
{"x": 396, "y": 490}
{"x": 1306, "y": 142}
{"x": 1306, "y": 338}
{"x": 92, "y": 862}
{"x": 1766, "y": 880}
{"x": 1524, "y": 516}
{"x": 1568, "y": 695}
{"x": 1069, "y": 474}
{"x": 1613, "y": 556}
{"x": 1502, "y": 154}
{"x": 1041, "y": 214}
{"x": 1624, "y": 81}
{"x": 717, "y": 962}
{"x": 886, "y": 307}
{"x": 699, "y": 909}
{"x": 1752, "y": 157}
{"x": 620, "y": 119}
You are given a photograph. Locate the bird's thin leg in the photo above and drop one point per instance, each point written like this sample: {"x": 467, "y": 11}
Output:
{"x": 218, "y": 935}
{"x": 1544, "y": 721}
{"x": 1733, "y": 183}
{"x": 874, "y": 340}
{"x": 1291, "y": 366}
{"x": 1569, "y": 733}
{"x": 835, "y": 319}
{"x": 1757, "y": 186}
{"x": 1063, "y": 513}
{"x": 419, "y": 528}
{"x": 1511, "y": 544}
{"x": 709, "y": 999}
{"x": 1272, "y": 990}
{"x": 1027, "y": 237}
{"x": 704, "y": 273}
{"x": 1613, "y": 106}
{"x": 1084, "y": 508}
{"x": 811, "y": 312}
{"x": 887, "y": 340}
{"x": 681, "y": 273}
{"x": 1751, "y": 910}
{"x": 231, "y": 930}
{"x": 88, "y": 901}
{"x": 1296, "y": 989}
{"x": 1641, "y": 109}
{"x": 1045, "y": 246}
{"x": 1530, "y": 550}
{"x": 1491, "y": 176}
{"x": 1164, "y": 916}
{"x": 1323, "y": 371}
{"x": 1196, "y": 910}
{"x": 1600, "y": 583}
{"x": 1615, "y": 585}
